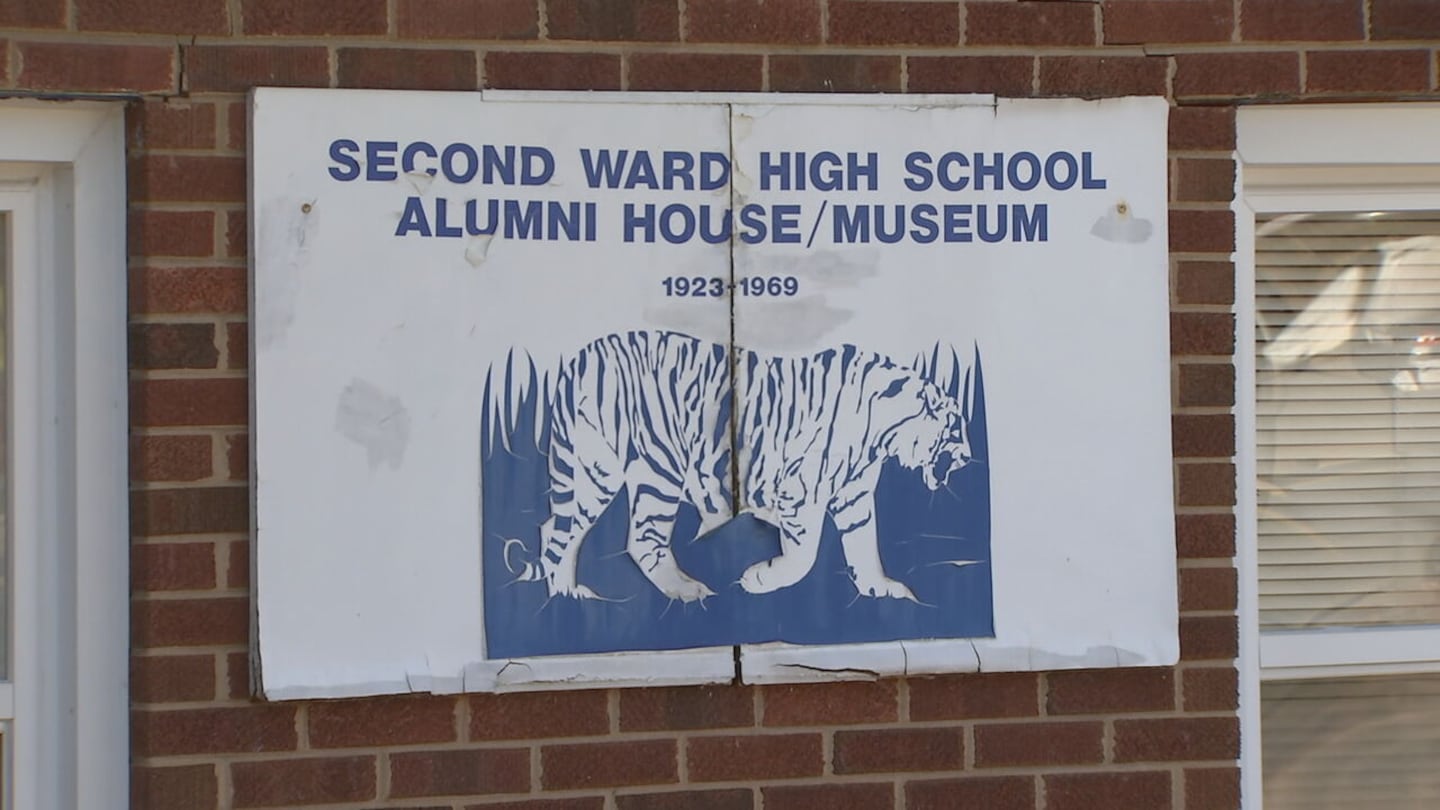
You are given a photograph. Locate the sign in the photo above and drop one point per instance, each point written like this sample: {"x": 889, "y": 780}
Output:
{"x": 551, "y": 388}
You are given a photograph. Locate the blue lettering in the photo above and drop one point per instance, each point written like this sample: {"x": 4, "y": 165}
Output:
{"x": 917, "y": 164}
{"x": 769, "y": 169}
{"x": 407, "y": 158}
{"x": 523, "y": 223}
{"x": 957, "y": 223}
{"x": 645, "y": 221}
{"x": 642, "y": 172}
{"x": 441, "y": 229}
{"x": 687, "y": 223}
{"x": 982, "y": 215}
{"x": 447, "y": 162}
{"x": 714, "y": 171}
{"x": 1032, "y": 227}
{"x": 497, "y": 162}
{"x": 679, "y": 167}
{"x": 1089, "y": 180}
{"x": 785, "y": 220}
{"x": 753, "y": 217}
{"x": 1013, "y": 171}
{"x": 1052, "y": 174}
{"x": 347, "y": 167}
{"x": 538, "y": 166}
{"x": 413, "y": 219}
{"x": 472, "y": 223}
{"x": 925, "y": 230}
{"x": 603, "y": 169}
{"x": 853, "y": 228}
{"x": 866, "y": 170}
{"x": 379, "y": 155}
{"x": 995, "y": 171}
{"x": 947, "y": 165}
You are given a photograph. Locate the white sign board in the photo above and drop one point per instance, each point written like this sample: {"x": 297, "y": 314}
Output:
{"x": 553, "y": 390}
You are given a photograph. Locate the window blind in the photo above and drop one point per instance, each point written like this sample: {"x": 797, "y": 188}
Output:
{"x": 1348, "y": 418}
{"x": 1354, "y": 743}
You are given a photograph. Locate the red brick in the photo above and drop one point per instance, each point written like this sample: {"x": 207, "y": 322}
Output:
{"x": 962, "y": 697}
{"x": 172, "y": 678}
{"x": 174, "y": 290}
{"x": 274, "y": 783}
{"x": 1367, "y": 71}
{"x": 184, "y": 787}
{"x": 1404, "y": 19}
{"x": 188, "y": 178}
{"x": 695, "y": 71}
{"x": 899, "y": 749}
{"x": 173, "y": 345}
{"x": 237, "y": 568}
{"x": 599, "y": 765}
{"x": 1029, "y": 23}
{"x": 190, "y": 511}
{"x": 407, "y": 69}
{"x": 1204, "y": 282}
{"x": 467, "y": 19}
{"x": 237, "y": 345}
{"x": 1206, "y": 535}
{"x": 1140, "y": 22}
{"x": 1211, "y": 689}
{"x": 1038, "y": 744}
{"x": 288, "y": 18}
{"x": 172, "y": 566}
{"x": 614, "y": 20}
{"x": 32, "y": 13}
{"x": 165, "y": 125}
{"x": 1207, "y": 588}
{"x": 170, "y": 458}
{"x": 1202, "y": 231}
{"x": 237, "y": 240}
{"x": 1177, "y": 738}
{"x": 838, "y": 703}
{"x": 1202, "y": 128}
{"x": 790, "y": 22}
{"x": 1111, "y": 691}
{"x": 686, "y": 708}
{"x": 835, "y": 73}
{"x": 1204, "y": 180}
{"x": 172, "y": 233}
{"x": 848, "y": 796}
{"x": 1232, "y": 75}
{"x": 237, "y": 126}
{"x": 190, "y": 622}
{"x": 407, "y": 720}
{"x": 888, "y": 22}
{"x": 1202, "y": 333}
{"x": 990, "y": 793}
{"x": 1302, "y": 20}
{"x": 535, "y": 715}
{"x": 1205, "y": 484}
{"x": 1084, "y": 791}
{"x": 235, "y": 68}
{"x": 1212, "y": 788}
{"x": 237, "y": 454}
{"x": 444, "y": 773}
{"x": 237, "y": 675}
{"x": 1208, "y": 435}
{"x": 76, "y": 67}
{"x": 1096, "y": 76}
{"x": 737, "y": 799}
{"x": 1207, "y": 384}
{"x": 174, "y": 403}
{"x": 244, "y": 729}
{"x": 552, "y": 71}
{"x": 1001, "y": 75}
{"x": 581, "y": 803}
{"x": 188, "y": 17}
{"x": 1205, "y": 637}
{"x": 771, "y": 756}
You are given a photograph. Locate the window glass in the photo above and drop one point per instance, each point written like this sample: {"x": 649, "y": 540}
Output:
{"x": 1348, "y": 418}
{"x": 1351, "y": 743}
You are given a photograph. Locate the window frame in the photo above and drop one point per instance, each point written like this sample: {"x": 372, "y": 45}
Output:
{"x": 68, "y": 316}
{"x": 1323, "y": 157}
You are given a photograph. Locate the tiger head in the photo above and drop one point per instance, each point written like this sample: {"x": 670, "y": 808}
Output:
{"x": 933, "y": 436}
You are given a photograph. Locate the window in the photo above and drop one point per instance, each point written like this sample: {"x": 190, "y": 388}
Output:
{"x": 1339, "y": 251}
{"x": 64, "y": 656}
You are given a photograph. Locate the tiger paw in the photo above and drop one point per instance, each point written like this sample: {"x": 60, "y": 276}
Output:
{"x": 692, "y": 590}
{"x": 886, "y": 587}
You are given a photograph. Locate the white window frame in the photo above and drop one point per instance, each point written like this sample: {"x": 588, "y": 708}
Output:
{"x": 62, "y": 174}
{"x": 1314, "y": 158}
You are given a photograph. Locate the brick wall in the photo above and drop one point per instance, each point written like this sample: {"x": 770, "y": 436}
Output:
{"x": 1137, "y": 739}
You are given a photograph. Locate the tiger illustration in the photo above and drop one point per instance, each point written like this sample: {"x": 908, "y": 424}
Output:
{"x": 649, "y": 412}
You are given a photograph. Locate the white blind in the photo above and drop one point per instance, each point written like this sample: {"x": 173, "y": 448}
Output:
{"x": 1368, "y": 743}
{"x": 1348, "y": 418}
